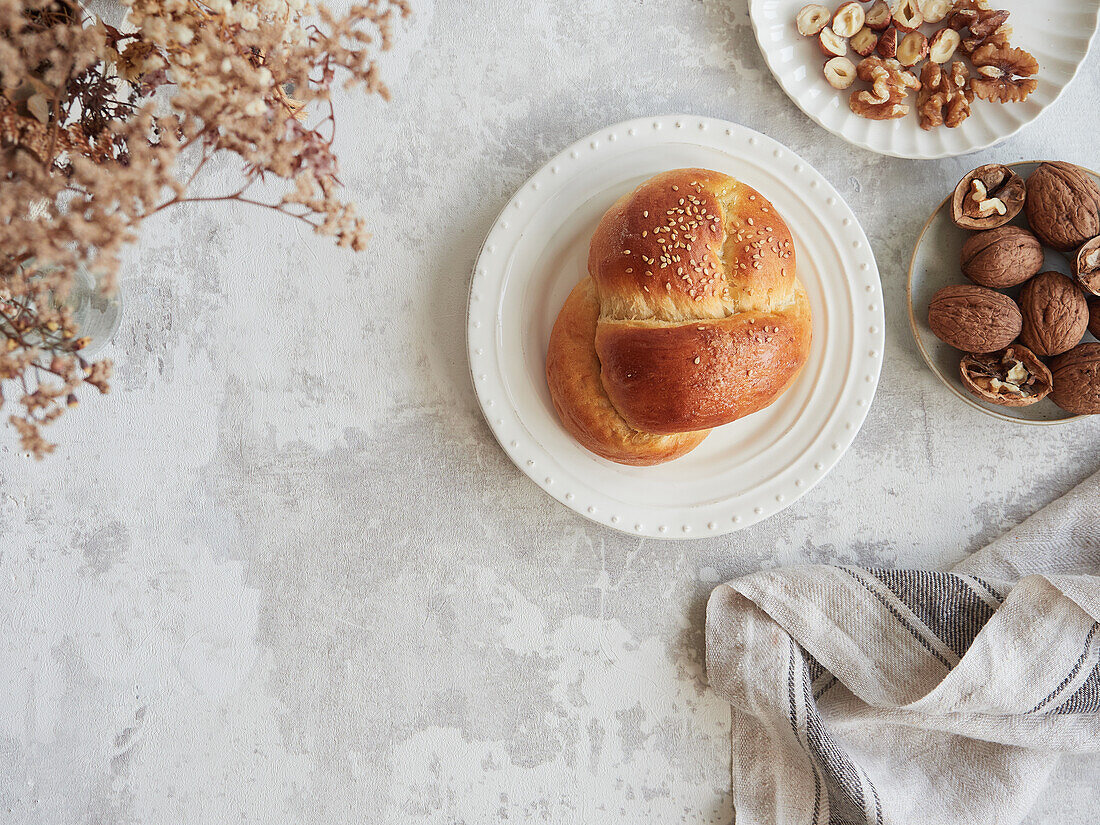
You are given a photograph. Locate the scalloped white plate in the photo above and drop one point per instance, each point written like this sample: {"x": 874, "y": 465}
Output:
{"x": 1057, "y": 32}
{"x": 743, "y": 472}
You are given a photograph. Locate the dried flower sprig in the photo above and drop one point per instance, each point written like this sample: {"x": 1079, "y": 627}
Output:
{"x": 101, "y": 128}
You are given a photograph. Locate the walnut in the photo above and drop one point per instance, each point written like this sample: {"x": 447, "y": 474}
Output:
{"x": 1063, "y": 205}
{"x": 944, "y": 96}
{"x": 1003, "y": 74}
{"x": 1013, "y": 377}
{"x": 1055, "y": 314}
{"x": 1077, "y": 380}
{"x": 1086, "y": 267}
{"x": 1094, "y": 317}
{"x": 1002, "y": 257}
{"x": 978, "y": 24}
{"x": 973, "y": 318}
{"x": 890, "y": 85}
{"x": 987, "y": 197}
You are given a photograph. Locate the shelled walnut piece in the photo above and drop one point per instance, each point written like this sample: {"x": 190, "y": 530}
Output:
{"x": 944, "y": 96}
{"x": 978, "y": 24}
{"x": 890, "y": 86}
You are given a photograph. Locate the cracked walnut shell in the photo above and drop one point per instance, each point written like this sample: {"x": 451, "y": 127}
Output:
{"x": 1063, "y": 205}
{"x": 987, "y": 197}
{"x": 1077, "y": 380}
{"x": 1002, "y": 257}
{"x": 973, "y": 318}
{"x": 944, "y": 96}
{"x": 1086, "y": 267}
{"x": 1013, "y": 377}
{"x": 1003, "y": 74}
{"x": 1055, "y": 314}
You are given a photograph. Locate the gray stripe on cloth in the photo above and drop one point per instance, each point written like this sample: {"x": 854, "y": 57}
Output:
{"x": 946, "y": 604}
{"x": 844, "y": 781}
{"x": 925, "y": 643}
{"x": 1073, "y": 671}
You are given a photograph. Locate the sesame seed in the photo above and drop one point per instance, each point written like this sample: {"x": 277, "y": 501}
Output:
{"x": 626, "y": 251}
{"x": 697, "y": 359}
{"x": 628, "y": 269}
{"x": 676, "y": 189}
{"x": 645, "y": 214}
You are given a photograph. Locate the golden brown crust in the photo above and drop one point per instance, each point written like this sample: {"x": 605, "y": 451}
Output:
{"x": 668, "y": 378}
{"x": 573, "y": 375}
{"x": 701, "y": 318}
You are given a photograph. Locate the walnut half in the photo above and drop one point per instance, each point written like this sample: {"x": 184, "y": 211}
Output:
{"x": 1013, "y": 377}
{"x": 1003, "y": 74}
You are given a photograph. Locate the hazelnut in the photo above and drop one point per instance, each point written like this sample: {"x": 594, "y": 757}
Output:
{"x": 878, "y": 17}
{"x": 974, "y": 319}
{"x": 1063, "y": 205}
{"x": 888, "y": 43}
{"x": 1077, "y": 380}
{"x": 848, "y": 19}
{"x": 811, "y": 19}
{"x": 831, "y": 44}
{"x": 1055, "y": 314}
{"x": 840, "y": 72}
{"x": 907, "y": 16}
{"x": 1002, "y": 257}
{"x": 933, "y": 11}
{"x": 987, "y": 197}
{"x": 1013, "y": 377}
{"x": 942, "y": 46}
{"x": 864, "y": 41}
{"x": 1086, "y": 266}
{"x": 912, "y": 49}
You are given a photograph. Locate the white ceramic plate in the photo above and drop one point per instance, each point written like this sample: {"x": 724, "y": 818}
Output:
{"x": 743, "y": 472}
{"x": 1057, "y": 32}
{"x": 934, "y": 265}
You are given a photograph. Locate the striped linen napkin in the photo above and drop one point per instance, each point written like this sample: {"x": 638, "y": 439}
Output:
{"x": 904, "y": 697}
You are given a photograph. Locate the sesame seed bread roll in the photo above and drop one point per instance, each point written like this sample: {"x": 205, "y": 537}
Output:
{"x": 701, "y": 319}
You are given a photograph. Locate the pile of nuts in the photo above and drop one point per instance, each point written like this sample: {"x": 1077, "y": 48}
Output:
{"x": 1019, "y": 351}
{"x": 888, "y": 38}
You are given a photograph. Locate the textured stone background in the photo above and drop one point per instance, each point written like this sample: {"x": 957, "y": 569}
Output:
{"x": 283, "y": 572}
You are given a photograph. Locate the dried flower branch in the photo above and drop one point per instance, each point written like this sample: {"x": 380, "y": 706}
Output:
{"x": 102, "y": 128}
